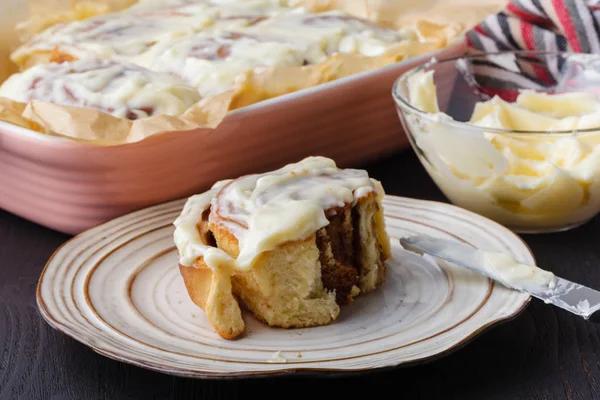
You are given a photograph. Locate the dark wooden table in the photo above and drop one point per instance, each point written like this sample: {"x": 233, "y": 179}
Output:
{"x": 544, "y": 353}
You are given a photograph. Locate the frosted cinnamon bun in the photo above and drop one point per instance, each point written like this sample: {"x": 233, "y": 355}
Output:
{"x": 337, "y": 32}
{"x": 291, "y": 245}
{"x": 117, "y": 88}
{"x": 131, "y": 33}
{"x": 212, "y": 62}
{"x": 240, "y": 14}
{"x": 124, "y": 35}
{"x": 253, "y": 49}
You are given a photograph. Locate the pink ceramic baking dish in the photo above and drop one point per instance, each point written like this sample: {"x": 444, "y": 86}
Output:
{"x": 71, "y": 186}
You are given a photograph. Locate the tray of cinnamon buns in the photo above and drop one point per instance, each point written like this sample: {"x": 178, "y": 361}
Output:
{"x": 121, "y": 109}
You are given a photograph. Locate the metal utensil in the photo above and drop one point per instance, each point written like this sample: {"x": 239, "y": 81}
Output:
{"x": 570, "y": 296}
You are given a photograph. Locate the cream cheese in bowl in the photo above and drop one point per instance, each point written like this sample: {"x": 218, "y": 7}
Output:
{"x": 532, "y": 164}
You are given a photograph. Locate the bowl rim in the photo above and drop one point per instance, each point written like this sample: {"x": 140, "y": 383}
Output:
{"x": 403, "y": 103}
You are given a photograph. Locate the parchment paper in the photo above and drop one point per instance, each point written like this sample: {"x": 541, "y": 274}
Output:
{"x": 438, "y": 22}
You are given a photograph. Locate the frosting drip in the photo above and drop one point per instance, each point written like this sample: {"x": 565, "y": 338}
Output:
{"x": 264, "y": 211}
{"x": 187, "y": 238}
{"x": 120, "y": 89}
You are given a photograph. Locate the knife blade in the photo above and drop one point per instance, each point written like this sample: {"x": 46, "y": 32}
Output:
{"x": 544, "y": 285}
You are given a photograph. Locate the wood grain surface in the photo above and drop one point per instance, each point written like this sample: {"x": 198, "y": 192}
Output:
{"x": 545, "y": 353}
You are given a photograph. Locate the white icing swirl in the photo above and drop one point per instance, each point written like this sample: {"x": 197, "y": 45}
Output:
{"x": 186, "y": 236}
{"x": 212, "y": 62}
{"x": 211, "y": 44}
{"x": 264, "y": 211}
{"x": 117, "y": 88}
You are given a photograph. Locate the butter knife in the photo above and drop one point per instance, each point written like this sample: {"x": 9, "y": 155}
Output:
{"x": 544, "y": 285}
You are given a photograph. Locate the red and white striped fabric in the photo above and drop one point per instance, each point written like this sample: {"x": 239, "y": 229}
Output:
{"x": 541, "y": 25}
{"x": 545, "y": 25}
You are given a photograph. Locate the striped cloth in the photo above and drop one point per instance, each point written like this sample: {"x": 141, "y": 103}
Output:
{"x": 542, "y": 25}
{"x": 547, "y": 25}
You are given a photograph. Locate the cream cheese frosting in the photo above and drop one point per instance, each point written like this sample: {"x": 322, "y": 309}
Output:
{"x": 213, "y": 62}
{"x": 133, "y": 31}
{"x": 264, "y": 211}
{"x": 336, "y": 31}
{"x": 515, "y": 275}
{"x": 186, "y": 236}
{"x": 500, "y": 267}
{"x": 117, "y": 88}
{"x": 211, "y": 44}
{"x": 119, "y": 35}
{"x": 524, "y": 180}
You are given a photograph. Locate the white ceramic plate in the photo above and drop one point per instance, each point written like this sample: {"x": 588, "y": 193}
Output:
{"x": 117, "y": 289}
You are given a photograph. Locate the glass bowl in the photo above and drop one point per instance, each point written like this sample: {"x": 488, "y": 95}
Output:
{"x": 530, "y": 158}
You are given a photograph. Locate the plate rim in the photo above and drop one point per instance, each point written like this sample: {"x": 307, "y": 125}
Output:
{"x": 295, "y": 371}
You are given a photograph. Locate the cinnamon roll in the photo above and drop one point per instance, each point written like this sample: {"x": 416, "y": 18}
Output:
{"x": 213, "y": 62}
{"x": 117, "y": 88}
{"x": 254, "y": 49}
{"x": 131, "y": 33}
{"x": 124, "y": 35}
{"x": 337, "y": 32}
{"x": 290, "y": 245}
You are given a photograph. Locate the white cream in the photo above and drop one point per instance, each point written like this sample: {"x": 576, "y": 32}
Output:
{"x": 513, "y": 274}
{"x": 334, "y": 32}
{"x": 213, "y": 62}
{"x": 211, "y": 44}
{"x": 119, "y": 35}
{"x": 264, "y": 211}
{"x": 186, "y": 236}
{"x": 188, "y": 241}
{"x": 131, "y": 33}
{"x": 497, "y": 266}
{"x": 134, "y": 31}
{"x": 121, "y": 89}
{"x": 277, "y": 358}
{"x": 525, "y": 181}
